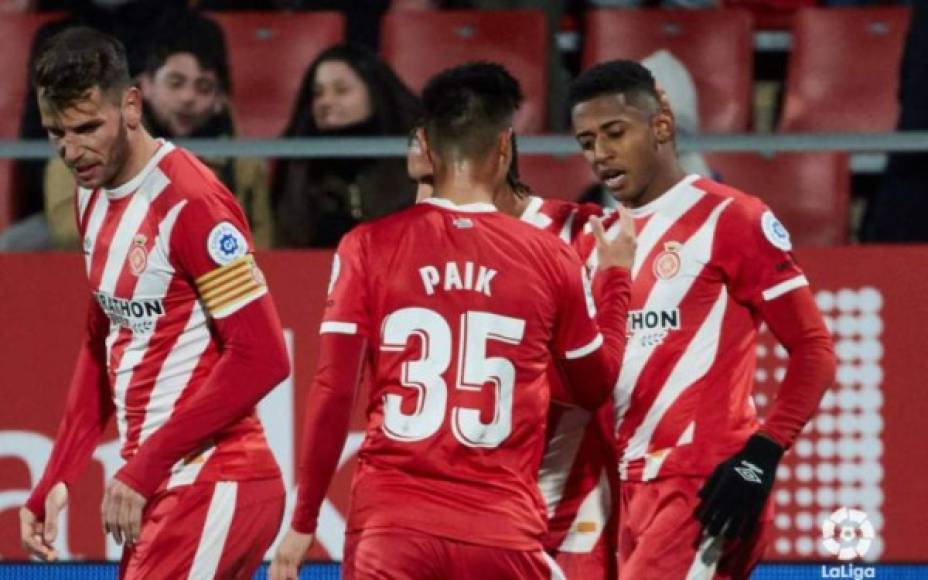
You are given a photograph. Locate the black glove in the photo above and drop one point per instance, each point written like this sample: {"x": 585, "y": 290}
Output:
{"x": 735, "y": 494}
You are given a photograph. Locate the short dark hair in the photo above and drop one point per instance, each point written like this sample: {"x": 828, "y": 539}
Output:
{"x": 624, "y": 77}
{"x": 76, "y": 60}
{"x": 468, "y": 105}
{"x": 197, "y": 36}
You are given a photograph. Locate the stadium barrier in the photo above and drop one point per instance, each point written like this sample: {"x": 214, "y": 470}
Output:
{"x": 863, "y": 451}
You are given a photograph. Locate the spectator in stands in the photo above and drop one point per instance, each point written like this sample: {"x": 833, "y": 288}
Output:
{"x": 185, "y": 87}
{"x": 137, "y": 24}
{"x": 898, "y": 212}
{"x": 346, "y": 92}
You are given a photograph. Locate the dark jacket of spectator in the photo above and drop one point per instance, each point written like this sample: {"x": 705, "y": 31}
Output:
{"x": 347, "y": 91}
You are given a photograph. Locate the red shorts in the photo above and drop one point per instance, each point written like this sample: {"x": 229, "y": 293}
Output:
{"x": 660, "y": 538}
{"x": 206, "y": 530}
{"x": 596, "y": 565}
{"x": 402, "y": 554}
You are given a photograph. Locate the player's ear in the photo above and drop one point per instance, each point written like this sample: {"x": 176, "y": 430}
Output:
{"x": 663, "y": 122}
{"x": 504, "y": 148}
{"x": 132, "y": 107}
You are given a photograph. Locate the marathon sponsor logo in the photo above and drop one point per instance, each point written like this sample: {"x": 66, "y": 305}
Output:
{"x": 136, "y": 315}
{"x": 639, "y": 320}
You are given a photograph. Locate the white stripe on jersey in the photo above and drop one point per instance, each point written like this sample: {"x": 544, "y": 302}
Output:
{"x": 662, "y": 221}
{"x": 560, "y": 455}
{"x": 568, "y": 227}
{"x": 83, "y": 198}
{"x": 215, "y": 531}
{"x": 595, "y": 508}
{"x": 585, "y": 350}
{"x": 93, "y": 227}
{"x": 556, "y": 572}
{"x": 669, "y": 294}
{"x": 176, "y": 370}
{"x": 186, "y": 473}
{"x": 129, "y": 224}
{"x": 338, "y": 328}
{"x": 784, "y": 287}
{"x": 695, "y": 362}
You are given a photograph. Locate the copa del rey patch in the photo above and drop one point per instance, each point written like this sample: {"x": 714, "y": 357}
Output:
{"x": 225, "y": 243}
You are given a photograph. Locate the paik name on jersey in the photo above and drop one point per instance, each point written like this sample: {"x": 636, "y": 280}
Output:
{"x": 137, "y": 315}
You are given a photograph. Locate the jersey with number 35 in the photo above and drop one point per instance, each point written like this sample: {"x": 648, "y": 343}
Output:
{"x": 464, "y": 309}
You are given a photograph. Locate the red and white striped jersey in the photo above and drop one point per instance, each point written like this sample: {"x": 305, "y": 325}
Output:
{"x": 579, "y": 457}
{"x": 165, "y": 253}
{"x": 707, "y": 257}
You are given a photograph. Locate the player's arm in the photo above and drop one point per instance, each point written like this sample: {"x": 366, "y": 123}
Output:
{"x": 343, "y": 350}
{"x": 591, "y": 370}
{"x": 87, "y": 411}
{"x": 763, "y": 275}
{"x": 210, "y": 245}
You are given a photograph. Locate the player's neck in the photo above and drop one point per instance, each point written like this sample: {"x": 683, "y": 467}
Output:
{"x": 663, "y": 182}
{"x": 464, "y": 189}
{"x": 509, "y": 202}
{"x": 142, "y": 147}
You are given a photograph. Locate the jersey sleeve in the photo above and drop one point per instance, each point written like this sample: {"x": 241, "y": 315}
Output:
{"x": 212, "y": 245}
{"x": 755, "y": 254}
{"x": 346, "y": 310}
{"x": 575, "y": 333}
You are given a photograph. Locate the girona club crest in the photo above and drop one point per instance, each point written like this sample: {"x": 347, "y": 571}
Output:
{"x": 138, "y": 258}
{"x": 667, "y": 263}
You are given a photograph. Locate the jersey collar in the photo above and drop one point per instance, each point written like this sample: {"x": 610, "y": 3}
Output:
{"x": 443, "y": 203}
{"x": 128, "y": 187}
{"x": 668, "y": 198}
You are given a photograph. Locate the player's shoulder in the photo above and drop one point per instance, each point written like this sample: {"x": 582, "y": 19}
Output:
{"x": 190, "y": 179}
{"x": 746, "y": 217}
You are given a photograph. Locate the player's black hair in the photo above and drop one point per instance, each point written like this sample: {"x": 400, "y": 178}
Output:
{"x": 467, "y": 106}
{"x": 74, "y": 61}
{"x": 193, "y": 37}
{"x": 625, "y": 77}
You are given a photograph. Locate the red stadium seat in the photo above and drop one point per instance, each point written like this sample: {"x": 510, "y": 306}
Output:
{"x": 843, "y": 72}
{"x": 809, "y": 192}
{"x": 555, "y": 176}
{"x": 715, "y": 45}
{"x": 771, "y": 14}
{"x": 419, "y": 44}
{"x": 17, "y": 32}
{"x": 268, "y": 54}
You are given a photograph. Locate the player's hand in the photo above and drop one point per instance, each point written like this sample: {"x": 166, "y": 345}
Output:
{"x": 734, "y": 496}
{"x": 122, "y": 512}
{"x": 38, "y": 537}
{"x": 289, "y": 556}
{"x": 619, "y": 251}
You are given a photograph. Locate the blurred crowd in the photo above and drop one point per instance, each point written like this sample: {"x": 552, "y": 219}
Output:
{"x": 178, "y": 56}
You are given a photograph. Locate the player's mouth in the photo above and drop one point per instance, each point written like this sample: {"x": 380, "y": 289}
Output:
{"x": 613, "y": 179}
{"x": 85, "y": 172}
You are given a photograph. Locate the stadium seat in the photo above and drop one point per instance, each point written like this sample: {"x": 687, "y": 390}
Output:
{"x": 771, "y": 14}
{"x": 17, "y": 31}
{"x": 715, "y": 45}
{"x": 268, "y": 54}
{"x": 843, "y": 72}
{"x": 419, "y": 44}
{"x": 809, "y": 192}
{"x": 562, "y": 177}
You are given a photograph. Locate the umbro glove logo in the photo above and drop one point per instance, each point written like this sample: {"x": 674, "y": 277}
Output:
{"x": 750, "y": 472}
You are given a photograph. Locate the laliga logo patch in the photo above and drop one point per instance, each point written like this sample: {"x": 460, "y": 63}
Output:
{"x": 138, "y": 258}
{"x": 667, "y": 263}
{"x": 226, "y": 244}
{"x": 774, "y": 231}
{"x": 847, "y": 534}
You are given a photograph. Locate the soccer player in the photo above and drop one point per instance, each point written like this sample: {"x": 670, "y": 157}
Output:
{"x": 459, "y": 310}
{"x": 712, "y": 263}
{"x": 579, "y": 473}
{"x": 182, "y": 337}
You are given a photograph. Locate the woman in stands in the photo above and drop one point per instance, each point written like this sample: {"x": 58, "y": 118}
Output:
{"x": 346, "y": 92}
